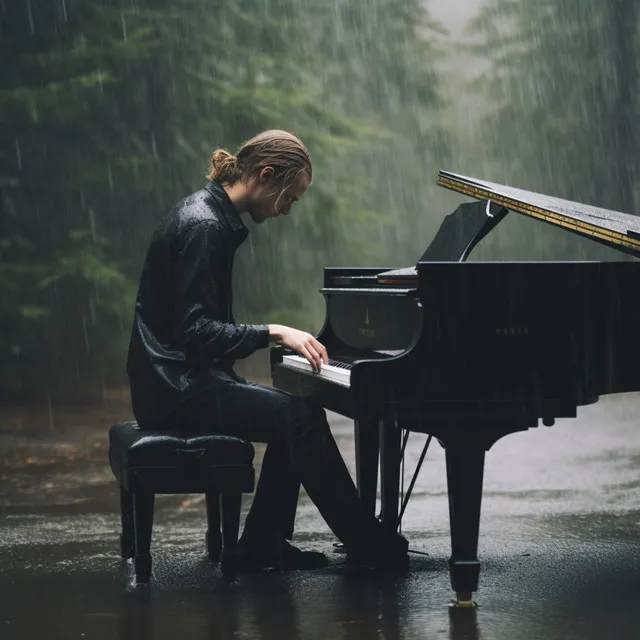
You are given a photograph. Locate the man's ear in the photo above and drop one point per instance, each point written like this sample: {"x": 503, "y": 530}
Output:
{"x": 266, "y": 175}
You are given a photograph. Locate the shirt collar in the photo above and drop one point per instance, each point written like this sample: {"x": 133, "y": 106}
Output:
{"x": 228, "y": 209}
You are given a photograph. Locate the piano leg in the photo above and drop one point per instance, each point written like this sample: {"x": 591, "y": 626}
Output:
{"x": 367, "y": 448}
{"x": 465, "y": 469}
{"x": 390, "y": 450}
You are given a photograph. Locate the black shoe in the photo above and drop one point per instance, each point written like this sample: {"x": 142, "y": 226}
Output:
{"x": 294, "y": 558}
{"x": 288, "y": 557}
{"x": 390, "y": 553}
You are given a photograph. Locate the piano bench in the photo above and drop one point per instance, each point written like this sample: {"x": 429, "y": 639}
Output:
{"x": 147, "y": 462}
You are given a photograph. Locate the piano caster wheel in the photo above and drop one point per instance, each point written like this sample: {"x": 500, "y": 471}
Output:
{"x": 548, "y": 422}
{"x": 464, "y": 600}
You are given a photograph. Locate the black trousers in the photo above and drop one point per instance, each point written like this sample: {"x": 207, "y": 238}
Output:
{"x": 300, "y": 450}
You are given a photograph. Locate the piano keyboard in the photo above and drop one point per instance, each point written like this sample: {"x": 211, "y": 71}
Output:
{"x": 336, "y": 371}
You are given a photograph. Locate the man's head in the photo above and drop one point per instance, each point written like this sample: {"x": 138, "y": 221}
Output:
{"x": 266, "y": 176}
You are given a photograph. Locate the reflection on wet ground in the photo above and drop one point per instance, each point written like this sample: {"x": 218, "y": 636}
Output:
{"x": 559, "y": 546}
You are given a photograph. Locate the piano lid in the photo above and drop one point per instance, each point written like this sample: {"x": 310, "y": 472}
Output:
{"x": 612, "y": 228}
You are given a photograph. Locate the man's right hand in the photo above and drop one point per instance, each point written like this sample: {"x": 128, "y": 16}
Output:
{"x": 301, "y": 342}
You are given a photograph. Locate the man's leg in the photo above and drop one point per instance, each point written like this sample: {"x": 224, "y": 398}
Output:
{"x": 301, "y": 432}
{"x": 273, "y": 511}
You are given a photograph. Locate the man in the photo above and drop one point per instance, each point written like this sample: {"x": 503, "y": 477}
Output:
{"x": 185, "y": 341}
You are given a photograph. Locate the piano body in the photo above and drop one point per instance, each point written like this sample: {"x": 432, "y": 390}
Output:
{"x": 469, "y": 352}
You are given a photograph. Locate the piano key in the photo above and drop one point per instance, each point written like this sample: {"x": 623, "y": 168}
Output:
{"x": 341, "y": 364}
{"x": 338, "y": 372}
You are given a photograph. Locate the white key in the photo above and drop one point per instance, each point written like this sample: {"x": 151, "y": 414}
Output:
{"x": 335, "y": 374}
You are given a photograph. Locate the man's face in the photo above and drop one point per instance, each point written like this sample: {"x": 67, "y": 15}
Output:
{"x": 265, "y": 205}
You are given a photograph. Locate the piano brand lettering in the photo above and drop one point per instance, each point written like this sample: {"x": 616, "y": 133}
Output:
{"x": 512, "y": 331}
{"x": 365, "y": 330}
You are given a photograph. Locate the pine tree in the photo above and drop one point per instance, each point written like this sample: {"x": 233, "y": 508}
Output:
{"x": 109, "y": 111}
{"x": 66, "y": 294}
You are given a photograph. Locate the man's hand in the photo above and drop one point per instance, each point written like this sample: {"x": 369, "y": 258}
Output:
{"x": 301, "y": 342}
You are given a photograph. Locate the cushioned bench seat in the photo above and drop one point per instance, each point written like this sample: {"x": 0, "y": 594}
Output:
{"x": 148, "y": 462}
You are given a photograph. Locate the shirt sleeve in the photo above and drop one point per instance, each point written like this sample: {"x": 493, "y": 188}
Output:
{"x": 201, "y": 264}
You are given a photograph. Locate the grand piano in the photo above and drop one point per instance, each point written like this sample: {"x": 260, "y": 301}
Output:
{"x": 469, "y": 352}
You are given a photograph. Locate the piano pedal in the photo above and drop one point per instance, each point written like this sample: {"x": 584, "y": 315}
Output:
{"x": 338, "y": 547}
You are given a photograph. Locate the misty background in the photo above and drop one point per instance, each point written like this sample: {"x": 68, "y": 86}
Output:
{"x": 110, "y": 110}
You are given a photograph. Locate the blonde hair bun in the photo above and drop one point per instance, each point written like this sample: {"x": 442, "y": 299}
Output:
{"x": 223, "y": 167}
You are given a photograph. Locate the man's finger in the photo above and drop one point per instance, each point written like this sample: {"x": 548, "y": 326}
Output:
{"x": 322, "y": 351}
{"x": 320, "y": 348}
{"x": 307, "y": 354}
{"x": 314, "y": 348}
{"x": 317, "y": 357}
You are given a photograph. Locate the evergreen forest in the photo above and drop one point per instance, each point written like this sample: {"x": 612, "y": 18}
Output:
{"x": 110, "y": 110}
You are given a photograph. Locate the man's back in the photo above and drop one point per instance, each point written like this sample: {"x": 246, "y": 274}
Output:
{"x": 184, "y": 299}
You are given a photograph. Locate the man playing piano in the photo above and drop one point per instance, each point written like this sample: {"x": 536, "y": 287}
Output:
{"x": 184, "y": 343}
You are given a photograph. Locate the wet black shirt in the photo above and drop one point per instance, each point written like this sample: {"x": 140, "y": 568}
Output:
{"x": 184, "y": 333}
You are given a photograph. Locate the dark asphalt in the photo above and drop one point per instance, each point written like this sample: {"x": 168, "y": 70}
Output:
{"x": 559, "y": 546}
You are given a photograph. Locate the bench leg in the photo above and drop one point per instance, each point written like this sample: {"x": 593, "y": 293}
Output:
{"x": 127, "y": 540}
{"x": 231, "y": 503}
{"x": 143, "y": 524}
{"x": 214, "y": 539}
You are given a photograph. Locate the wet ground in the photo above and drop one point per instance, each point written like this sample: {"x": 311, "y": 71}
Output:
{"x": 560, "y": 548}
